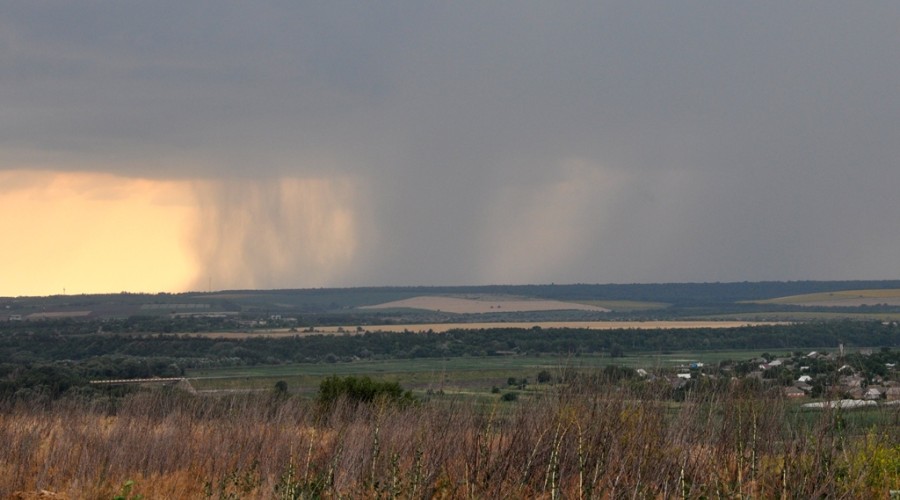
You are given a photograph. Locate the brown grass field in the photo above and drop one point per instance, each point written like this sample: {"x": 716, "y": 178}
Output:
{"x": 591, "y": 440}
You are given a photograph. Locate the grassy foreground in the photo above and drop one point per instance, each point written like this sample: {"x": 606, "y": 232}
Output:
{"x": 590, "y": 439}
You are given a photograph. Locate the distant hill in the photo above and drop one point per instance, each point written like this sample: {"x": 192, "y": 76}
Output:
{"x": 639, "y": 299}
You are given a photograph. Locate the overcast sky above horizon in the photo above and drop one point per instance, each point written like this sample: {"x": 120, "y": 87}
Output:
{"x": 183, "y": 145}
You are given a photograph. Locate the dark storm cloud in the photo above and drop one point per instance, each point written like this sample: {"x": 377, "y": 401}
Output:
{"x": 497, "y": 142}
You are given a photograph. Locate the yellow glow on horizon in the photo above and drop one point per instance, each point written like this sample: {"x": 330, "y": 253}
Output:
{"x": 92, "y": 233}
{"x": 82, "y": 232}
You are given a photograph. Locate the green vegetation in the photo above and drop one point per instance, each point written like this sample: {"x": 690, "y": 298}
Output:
{"x": 50, "y": 360}
{"x": 125, "y": 492}
{"x": 113, "y": 355}
{"x": 361, "y": 390}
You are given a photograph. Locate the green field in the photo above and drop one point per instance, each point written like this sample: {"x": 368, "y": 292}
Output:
{"x": 839, "y": 298}
{"x": 453, "y": 375}
{"x": 420, "y": 375}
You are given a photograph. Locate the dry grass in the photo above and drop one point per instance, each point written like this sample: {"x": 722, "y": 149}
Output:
{"x": 589, "y": 441}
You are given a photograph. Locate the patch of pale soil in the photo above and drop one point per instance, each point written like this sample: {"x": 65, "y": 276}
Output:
{"x": 486, "y": 304}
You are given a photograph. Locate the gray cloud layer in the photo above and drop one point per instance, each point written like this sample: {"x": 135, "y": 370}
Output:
{"x": 495, "y": 142}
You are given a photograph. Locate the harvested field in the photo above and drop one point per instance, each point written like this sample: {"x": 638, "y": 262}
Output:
{"x": 484, "y": 304}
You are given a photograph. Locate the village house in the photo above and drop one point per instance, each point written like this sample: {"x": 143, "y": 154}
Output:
{"x": 851, "y": 381}
{"x": 794, "y": 392}
{"x": 806, "y": 388}
{"x": 892, "y": 394}
{"x": 873, "y": 393}
{"x": 856, "y": 392}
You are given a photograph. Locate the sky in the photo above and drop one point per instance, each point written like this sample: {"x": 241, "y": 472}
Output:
{"x": 199, "y": 145}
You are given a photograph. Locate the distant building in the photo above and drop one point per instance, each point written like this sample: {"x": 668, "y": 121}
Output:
{"x": 804, "y": 387}
{"x": 872, "y": 393}
{"x": 794, "y": 392}
{"x": 892, "y": 394}
{"x": 851, "y": 381}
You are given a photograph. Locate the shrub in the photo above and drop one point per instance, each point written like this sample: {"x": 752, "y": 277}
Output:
{"x": 361, "y": 390}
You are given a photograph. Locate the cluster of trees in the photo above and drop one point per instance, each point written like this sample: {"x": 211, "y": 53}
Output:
{"x": 51, "y": 379}
{"x": 132, "y": 324}
{"x": 163, "y": 353}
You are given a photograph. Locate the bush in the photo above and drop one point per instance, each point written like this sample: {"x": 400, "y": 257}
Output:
{"x": 361, "y": 390}
{"x": 509, "y": 396}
